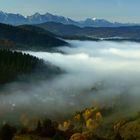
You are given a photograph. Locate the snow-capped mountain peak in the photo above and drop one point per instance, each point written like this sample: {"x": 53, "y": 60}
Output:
{"x": 94, "y": 19}
{"x": 37, "y": 18}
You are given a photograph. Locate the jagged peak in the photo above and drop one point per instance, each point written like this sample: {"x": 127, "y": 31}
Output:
{"x": 36, "y": 14}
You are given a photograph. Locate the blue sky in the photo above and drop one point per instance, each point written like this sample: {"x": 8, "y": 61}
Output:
{"x": 114, "y": 10}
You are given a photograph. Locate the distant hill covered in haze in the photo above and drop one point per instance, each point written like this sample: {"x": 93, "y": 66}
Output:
{"x": 76, "y": 32}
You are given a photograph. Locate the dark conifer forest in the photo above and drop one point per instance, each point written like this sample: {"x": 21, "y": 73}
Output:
{"x": 13, "y": 64}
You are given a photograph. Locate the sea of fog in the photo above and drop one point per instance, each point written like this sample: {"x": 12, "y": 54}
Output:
{"x": 100, "y": 73}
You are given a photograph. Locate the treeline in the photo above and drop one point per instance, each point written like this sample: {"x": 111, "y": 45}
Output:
{"x": 89, "y": 124}
{"x": 13, "y": 64}
{"x": 82, "y": 126}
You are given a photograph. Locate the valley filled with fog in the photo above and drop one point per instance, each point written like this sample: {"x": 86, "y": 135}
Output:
{"x": 104, "y": 73}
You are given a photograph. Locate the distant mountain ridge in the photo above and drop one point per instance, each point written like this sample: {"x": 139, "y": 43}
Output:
{"x": 75, "y": 32}
{"x": 37, "y": 18}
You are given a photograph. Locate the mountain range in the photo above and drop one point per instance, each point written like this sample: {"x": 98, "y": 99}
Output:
{"x": 37, "y": 18}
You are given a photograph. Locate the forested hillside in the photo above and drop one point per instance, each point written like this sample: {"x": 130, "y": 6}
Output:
{"x": 14, "y": 65}
{"x": 27, "y": 38}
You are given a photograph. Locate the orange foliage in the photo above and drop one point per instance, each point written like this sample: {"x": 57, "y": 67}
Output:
{"x": 98, "y": 116}
{"x": 6, "y": 43}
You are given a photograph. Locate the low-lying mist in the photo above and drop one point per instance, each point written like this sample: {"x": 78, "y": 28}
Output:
{"x": 105, "y": 73}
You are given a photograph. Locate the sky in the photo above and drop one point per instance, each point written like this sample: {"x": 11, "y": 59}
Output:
{"x": 113, "y": 10}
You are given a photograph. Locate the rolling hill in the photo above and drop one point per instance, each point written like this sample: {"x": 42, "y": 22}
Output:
{"x": 27, "y": 37}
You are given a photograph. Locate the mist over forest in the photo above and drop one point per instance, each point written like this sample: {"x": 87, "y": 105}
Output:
{"x": 104, "y": 73}
{"x": 69, "y": 70}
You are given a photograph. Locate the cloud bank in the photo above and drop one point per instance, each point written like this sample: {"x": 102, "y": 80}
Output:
{"x": 104, "y": 72}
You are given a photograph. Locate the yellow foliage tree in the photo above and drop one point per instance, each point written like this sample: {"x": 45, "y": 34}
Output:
{"x": 86, "y": 114}
{"x": 65, "y": 126}
{"x": 98, "y": 116}
{"x": 78, "y": 136}
{"x": 91, "y": 124}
